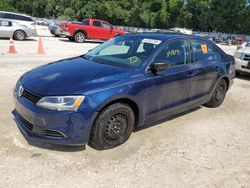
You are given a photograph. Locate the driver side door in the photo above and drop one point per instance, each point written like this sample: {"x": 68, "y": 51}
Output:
{"x": 168, "y": 90}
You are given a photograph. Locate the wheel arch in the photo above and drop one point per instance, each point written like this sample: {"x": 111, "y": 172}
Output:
{"x": 19, "y": 30}
{"x": 81, "y": 30}
{"x": 227, "y": 81}
{"x": 134, "y": 106}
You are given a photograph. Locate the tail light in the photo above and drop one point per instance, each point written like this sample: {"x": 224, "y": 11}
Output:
{"x": 64, "y": 26}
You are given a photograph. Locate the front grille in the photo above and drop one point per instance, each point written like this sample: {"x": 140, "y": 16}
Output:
{"x": 34, "y": 98}
{"x": 40, "y": 131}
{"x": 246, "y": 57}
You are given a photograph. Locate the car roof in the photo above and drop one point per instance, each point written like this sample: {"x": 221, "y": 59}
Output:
{"x": 159, "y": 36}
{"x": 15, "y": 13}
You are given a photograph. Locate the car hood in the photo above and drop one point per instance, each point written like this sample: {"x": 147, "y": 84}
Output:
{"x": 73, "y": 76}
{"x": 245, "y": 50}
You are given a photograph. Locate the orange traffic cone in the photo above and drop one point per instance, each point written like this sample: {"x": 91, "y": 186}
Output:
{"x": 12, "y": 49}
{"x": 40, "y": 49}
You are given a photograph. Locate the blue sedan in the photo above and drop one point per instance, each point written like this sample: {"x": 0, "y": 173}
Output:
{"x": 129, "y": 81}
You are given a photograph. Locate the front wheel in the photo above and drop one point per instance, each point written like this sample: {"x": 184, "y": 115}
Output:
{"x": 218, "y": 94}
{"x": 112, "y": 127}
{"x": 19, "y": 35}
{"x": 79, "y": 37}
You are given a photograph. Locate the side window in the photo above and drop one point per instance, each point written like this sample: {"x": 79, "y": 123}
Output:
{"x": 175, "y": 53}
{"x": 106, "y": 25}
{"x": 9, "y": 16}
{"x": 97, "y": 23}
{"x": 1, "y": 15}
{"x": 5, "y": 24}
{"x": 24, "y": 18}
{"x": 204, "y": 52}
{"x": 85, "y": 22}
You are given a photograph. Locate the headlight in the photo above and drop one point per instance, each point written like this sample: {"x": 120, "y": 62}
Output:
{"x": 61, "y": 103}
{"x": 237, "y": 55}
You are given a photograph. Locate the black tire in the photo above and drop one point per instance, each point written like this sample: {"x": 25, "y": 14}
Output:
{"x": 79, "y": 37}
{"x": 19, "y": 35}
{"x": 112, "y": 127}
{"x": 218, "y": 94}
{"x": 71, "y": 38}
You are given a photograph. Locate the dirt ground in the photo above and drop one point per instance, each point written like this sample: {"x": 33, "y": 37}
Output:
{"x": 201, "y": 148}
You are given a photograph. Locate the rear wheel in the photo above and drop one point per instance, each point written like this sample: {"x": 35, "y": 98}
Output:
{"x": 19, "y": 35}
{"x": 112, "y": 127}
{"x": 218, "y": 95}
{"x": 79, "y": 37}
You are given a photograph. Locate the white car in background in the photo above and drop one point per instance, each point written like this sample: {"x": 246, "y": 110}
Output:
{"x": 182, "y": 30}
{"x": 242, "y": 57}
{"x": 10, "y": 28}
{"x": 22, "y": 19}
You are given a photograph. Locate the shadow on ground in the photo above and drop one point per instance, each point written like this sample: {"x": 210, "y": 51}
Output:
{"x": 87, "y": 41}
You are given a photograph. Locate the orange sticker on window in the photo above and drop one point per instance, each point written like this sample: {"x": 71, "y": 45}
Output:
{"x": 204, "y": 49}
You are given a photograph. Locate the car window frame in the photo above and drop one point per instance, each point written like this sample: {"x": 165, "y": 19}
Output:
{"x": 106, "y": 24}
{"x": 99, "y": 22}
{"x": 162, "y": 48}
{"x": 87, "y": 21}
{"x": 208, "y": 45}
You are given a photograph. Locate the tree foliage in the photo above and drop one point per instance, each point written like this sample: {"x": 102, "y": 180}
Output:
{"x": 229, "y": 16}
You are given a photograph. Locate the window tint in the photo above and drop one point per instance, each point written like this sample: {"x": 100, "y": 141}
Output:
{"x": 204, "y": 52}
{"x": 24, "y": 18}
{"x": 105, "y": 25}
{"x": 9, "y": 16}
{"x": 175, "y": 53}
{"x": 85, "y": 22}
{"x": 1, "y": 15}
{"x": 97, "y": 23}
{"x": 17, "y": 17}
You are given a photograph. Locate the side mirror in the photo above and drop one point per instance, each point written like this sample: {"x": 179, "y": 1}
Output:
{"x": 158, "y": 67}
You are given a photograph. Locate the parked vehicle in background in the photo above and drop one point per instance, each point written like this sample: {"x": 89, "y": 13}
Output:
{"x": 240, "y": 40}
{"x": 242, "y": 57}
{"x": 128, "y": 82}
{"x": 243, "y": 45}
{"x": 19, "y": 18}
{"x": 55, "y": 29}
{"x": 16, "y": 30}
{"x": 90, "y": 29}
{"x": 182, "y": 30}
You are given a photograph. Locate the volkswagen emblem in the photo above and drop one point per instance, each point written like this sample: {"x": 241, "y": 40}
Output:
{"x": 20, "y": 91}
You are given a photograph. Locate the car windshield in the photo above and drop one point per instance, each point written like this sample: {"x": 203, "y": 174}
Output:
{"x": 123, "y": 51}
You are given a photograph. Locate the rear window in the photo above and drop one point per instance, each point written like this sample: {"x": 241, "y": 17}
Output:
{"x": 17, "y": 17}
{"x": 97, "y": 23}
{"x": 85, "y": 22}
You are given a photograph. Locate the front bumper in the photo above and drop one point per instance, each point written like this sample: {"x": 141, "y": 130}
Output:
{"x": 242, "y": 66}
{"x": 64, "y": 128}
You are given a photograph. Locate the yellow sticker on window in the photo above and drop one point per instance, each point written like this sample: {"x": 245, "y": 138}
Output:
{"x": 204, "y": 49}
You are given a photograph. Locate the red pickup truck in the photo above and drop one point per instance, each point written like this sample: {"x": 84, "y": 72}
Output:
{"x": 90, "y": 29}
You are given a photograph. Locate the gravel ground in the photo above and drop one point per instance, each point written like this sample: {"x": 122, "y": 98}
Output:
{"x": 201, "y": 148}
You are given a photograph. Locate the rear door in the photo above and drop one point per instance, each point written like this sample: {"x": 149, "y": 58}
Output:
{"x": 206, "y": 68}
{"x": 97, "y": 30}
